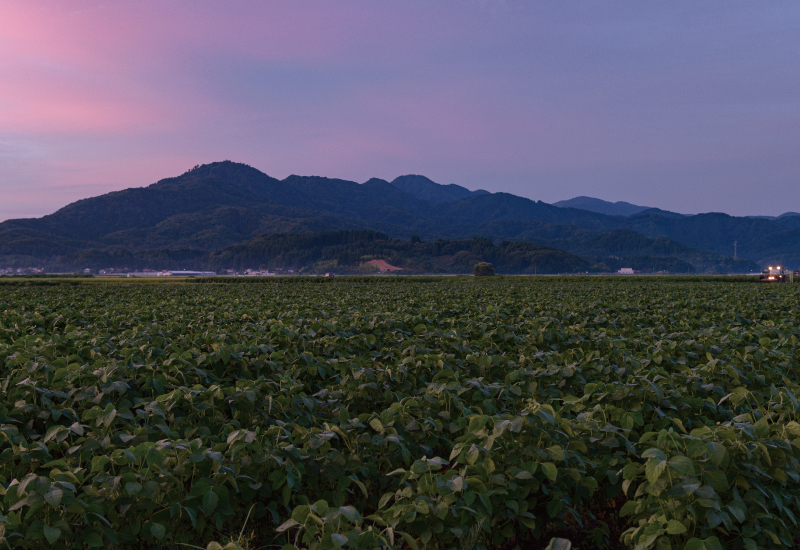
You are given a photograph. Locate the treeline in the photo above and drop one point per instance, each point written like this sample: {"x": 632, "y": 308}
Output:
{"x": 134, "y": 260}
{"x": 350, "y": 251}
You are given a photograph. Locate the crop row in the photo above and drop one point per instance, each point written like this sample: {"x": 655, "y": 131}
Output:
{"x": 469, "y": 414}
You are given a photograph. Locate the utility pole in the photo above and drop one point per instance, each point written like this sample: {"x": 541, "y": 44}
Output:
{"x": 734, "y": 248}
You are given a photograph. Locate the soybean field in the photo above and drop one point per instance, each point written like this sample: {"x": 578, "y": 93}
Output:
{"x": 466, "y": 413}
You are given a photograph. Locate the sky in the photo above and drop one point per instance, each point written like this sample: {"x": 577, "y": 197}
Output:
{"x": 683, "y": 105}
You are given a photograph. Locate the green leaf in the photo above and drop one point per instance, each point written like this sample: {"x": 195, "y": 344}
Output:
{"x": 210, "y": 501}
{"x": 675, "y": 527}
{"x": 338, "y": 540}
{"x": 711, "y": 543}
{"x": 51, "y": 533}
{"x": 718, "y": 452}
{"x": 716, "y": 479}
{"x": 556, "y": 453}
{"x": 457, "y": 483}
{"x": 376, "y": 424}
{"x": 93, "y": 539}
{"x": 158, "y": 530}
{"x": 654, "y": 468}
{"x": 99, "y": 462}
{"x": 682, "y": 465}
{"x": 628, "y": 508}
{"x": 559, "y": 544}
{"x": 133, "y": 488}
{"x": 384, "y": 499}
{"x": 658, "y": 454}
{"x": 550, "y": 471}
{"x": 300, "y": 513}
{"x": 288, "y": 524}
{"x": 53, "y": 496}
{"x": 154, "y": 457}
{"x": 738, "y": 509}
{"x": 350, "y": 513}
{"x": 35, "y": 530}
{"x": 41, "y": 485}
{"x": 409, "y": 540}
{"x": 52, "y": 432}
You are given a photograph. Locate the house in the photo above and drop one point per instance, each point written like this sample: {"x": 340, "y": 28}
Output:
{"x": 626, "y": 271}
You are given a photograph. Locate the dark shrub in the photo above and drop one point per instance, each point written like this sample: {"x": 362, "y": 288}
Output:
{"x": 483, "y": 269}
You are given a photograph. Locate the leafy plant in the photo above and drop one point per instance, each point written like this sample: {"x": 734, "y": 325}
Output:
{"x": 470, "y": 413}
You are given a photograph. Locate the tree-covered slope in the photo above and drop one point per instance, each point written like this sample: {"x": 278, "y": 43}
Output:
{"x": 428, "y": 190}
{"x": 619, "y": 208}
{"x": 347, "y": 250}
{"x": 224, "y": 203}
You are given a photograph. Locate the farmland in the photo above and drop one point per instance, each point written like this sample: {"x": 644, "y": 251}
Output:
{"x": 458, "y": 413}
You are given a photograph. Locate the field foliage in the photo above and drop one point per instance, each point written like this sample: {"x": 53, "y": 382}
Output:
{"x": 456, "y": 413}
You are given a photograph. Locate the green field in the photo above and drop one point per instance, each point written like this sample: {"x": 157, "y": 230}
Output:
{"x": 459, "y": 413}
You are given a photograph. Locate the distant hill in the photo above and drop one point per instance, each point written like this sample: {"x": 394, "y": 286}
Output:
{"x": 217, "y": 205}
{"x": 617, "y": 244}
{"x": 425, "y": 189}
{"x": 345, "y": 251}
{"x": 619, "y": 208}
{"x": 782, "y": 216}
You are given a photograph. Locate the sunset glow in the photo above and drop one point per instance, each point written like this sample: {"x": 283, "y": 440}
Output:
{"x": 548, "y": 101}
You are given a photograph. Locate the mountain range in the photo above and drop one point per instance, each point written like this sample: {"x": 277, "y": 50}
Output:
{"x": 185, "y": 219}
{"x": 619, "y": 208}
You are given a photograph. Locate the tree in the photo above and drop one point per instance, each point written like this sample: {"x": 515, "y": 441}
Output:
{"x": 483, "y": 269}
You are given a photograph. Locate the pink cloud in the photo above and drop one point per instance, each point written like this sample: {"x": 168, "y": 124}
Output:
{"x": 96, "y": 67}
{"x": 115, "y": 94}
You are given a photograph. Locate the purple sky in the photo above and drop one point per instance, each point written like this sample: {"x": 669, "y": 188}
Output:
{"x": 688, "y": 106}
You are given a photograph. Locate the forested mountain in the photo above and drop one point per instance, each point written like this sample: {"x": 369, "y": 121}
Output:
{"x": 425, "y": 189}
{"x": 619, "y": 208}
{"x": 217, "y": 205}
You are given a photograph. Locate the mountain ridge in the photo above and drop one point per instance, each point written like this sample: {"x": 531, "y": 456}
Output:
{"x": 220, "y": 204}
{"x": 426, "y": 189}
{"x": 619, "y": 208}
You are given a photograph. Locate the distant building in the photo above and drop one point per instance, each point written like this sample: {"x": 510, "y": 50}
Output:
{"x": 384, "y": 266}
{"x": 626, "y": 271}
{"x": 188, "y": 273}
{"x": 255, "y": 273}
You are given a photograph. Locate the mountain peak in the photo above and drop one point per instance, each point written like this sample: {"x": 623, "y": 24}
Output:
{"x": 428, "y": 190}
{"x": 619, "y": 208}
